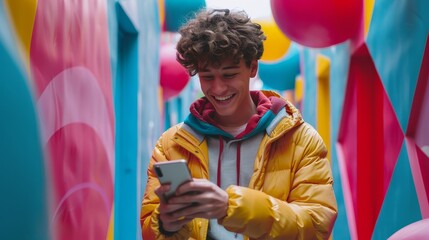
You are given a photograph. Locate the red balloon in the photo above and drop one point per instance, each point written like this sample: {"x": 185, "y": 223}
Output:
{"x": 174, "y": 76}
{"x": 318, "y": 23}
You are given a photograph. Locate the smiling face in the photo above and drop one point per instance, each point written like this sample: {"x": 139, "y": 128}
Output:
{"x": 227, "y": 88}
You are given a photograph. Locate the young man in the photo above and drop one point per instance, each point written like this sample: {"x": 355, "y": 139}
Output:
{"x": 260, "y": 171}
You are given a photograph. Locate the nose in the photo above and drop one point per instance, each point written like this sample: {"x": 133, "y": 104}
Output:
{"x": 219, "y": 86}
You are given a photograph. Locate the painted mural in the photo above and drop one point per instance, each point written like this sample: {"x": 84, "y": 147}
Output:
{"x": 68, "y": 58}
{"x": 88, "y": 86}
{"x": 367, "y": 98}
{"x": 61, "y": 58}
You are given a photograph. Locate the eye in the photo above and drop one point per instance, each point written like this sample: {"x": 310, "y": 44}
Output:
{"x": 206, "y": 78}
{"x": 230, "y": 75}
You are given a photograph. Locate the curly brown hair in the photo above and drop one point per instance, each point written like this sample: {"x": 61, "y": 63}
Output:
{"x": 216, "y": 35}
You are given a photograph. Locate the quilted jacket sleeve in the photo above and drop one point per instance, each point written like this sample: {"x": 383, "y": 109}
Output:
{"x": 309, "y": 209}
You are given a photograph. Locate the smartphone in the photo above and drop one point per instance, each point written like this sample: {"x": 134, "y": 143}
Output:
{"x": 173, "y": 172}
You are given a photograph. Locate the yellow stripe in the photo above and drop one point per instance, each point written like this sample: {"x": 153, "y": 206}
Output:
{"x": 299, "y": 88}
{"x": 323, "y": 99}
{"x": 110, "y": 232}
{"x": 23, "y": 13}
{"x": 368, "y": 8}
{"x": 161, "y": 11}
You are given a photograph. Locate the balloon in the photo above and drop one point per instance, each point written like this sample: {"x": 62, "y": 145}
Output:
{"x": 276, "y": 44}
{"x": 178, "y": 12}
{"x": 174, "y": 76}
{"x": 316, "y": 23}
{"x": 417, "y": 230}
{"x": 281, "y": 74}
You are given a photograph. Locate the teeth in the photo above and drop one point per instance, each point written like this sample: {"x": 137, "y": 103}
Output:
{"x": 223, "y": 98}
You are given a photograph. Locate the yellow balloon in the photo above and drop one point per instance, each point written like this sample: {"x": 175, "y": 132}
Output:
{"x": 276, "y": 44}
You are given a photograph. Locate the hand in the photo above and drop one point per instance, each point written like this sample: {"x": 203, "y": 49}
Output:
{"x": 169, "y": 222}
{"x": 204, "y": 198}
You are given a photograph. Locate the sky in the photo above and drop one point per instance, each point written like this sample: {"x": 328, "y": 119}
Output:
{"x": 258, "y": 9}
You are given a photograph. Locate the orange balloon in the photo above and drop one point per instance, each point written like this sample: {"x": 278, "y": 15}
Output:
{"x": 276, "y": 44}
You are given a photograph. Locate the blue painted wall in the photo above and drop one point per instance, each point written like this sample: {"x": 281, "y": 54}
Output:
{"x": 134, "y": 43}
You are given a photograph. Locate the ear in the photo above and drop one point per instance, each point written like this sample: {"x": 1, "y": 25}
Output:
{"x": 253, "y": 68}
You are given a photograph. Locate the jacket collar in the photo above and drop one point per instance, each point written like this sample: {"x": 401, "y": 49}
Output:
{"x": 272, "y": 110}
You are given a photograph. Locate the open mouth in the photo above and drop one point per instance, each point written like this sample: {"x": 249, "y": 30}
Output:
{"x": 223, "y": 98}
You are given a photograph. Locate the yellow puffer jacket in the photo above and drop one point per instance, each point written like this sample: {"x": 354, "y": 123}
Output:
{"x": 290, "y": 194}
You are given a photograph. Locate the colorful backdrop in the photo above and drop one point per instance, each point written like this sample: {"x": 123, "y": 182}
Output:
{"x": 83, "y": 98}
{"x": 77, "y": 126}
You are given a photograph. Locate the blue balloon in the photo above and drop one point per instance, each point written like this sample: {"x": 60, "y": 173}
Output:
{"x": 280, "y": 75}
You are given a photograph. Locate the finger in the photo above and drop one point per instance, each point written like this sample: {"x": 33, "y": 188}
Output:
{"x": 207, "y": 211}
{"x": 165, "y": 208}
{"x": 162, "y": 189}
{"x": 198, "y": 185}
{"x": 188, "y": 198}
{"x": 202, "y": 197}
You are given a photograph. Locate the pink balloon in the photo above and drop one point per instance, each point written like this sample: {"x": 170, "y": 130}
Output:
{"x": 317, "y": 23}
{"x": 416, "y": 231}
{"x": 174, "y": 76}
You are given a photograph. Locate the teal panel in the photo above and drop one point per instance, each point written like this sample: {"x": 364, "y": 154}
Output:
{"x": 340, "y": 60}
{"x": 167, "y": 114}
{"x": 339, "y": 56}
{"x": 149, "y": 105}
{"x": 309, "y": 106}
{"x": 189, "y": 94}
{"x": 396, "y": 41}
{"x": 149, "y": 65}
{"x": 23, "y": 201}
{"x": 126, "y": 128}
{"x": 174, "y": 110}
{"x": 135, "y": 66}
{"x": 400, "y": 206}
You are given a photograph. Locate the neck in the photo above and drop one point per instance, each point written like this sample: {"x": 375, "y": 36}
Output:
{"x": 236, "y": 121}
